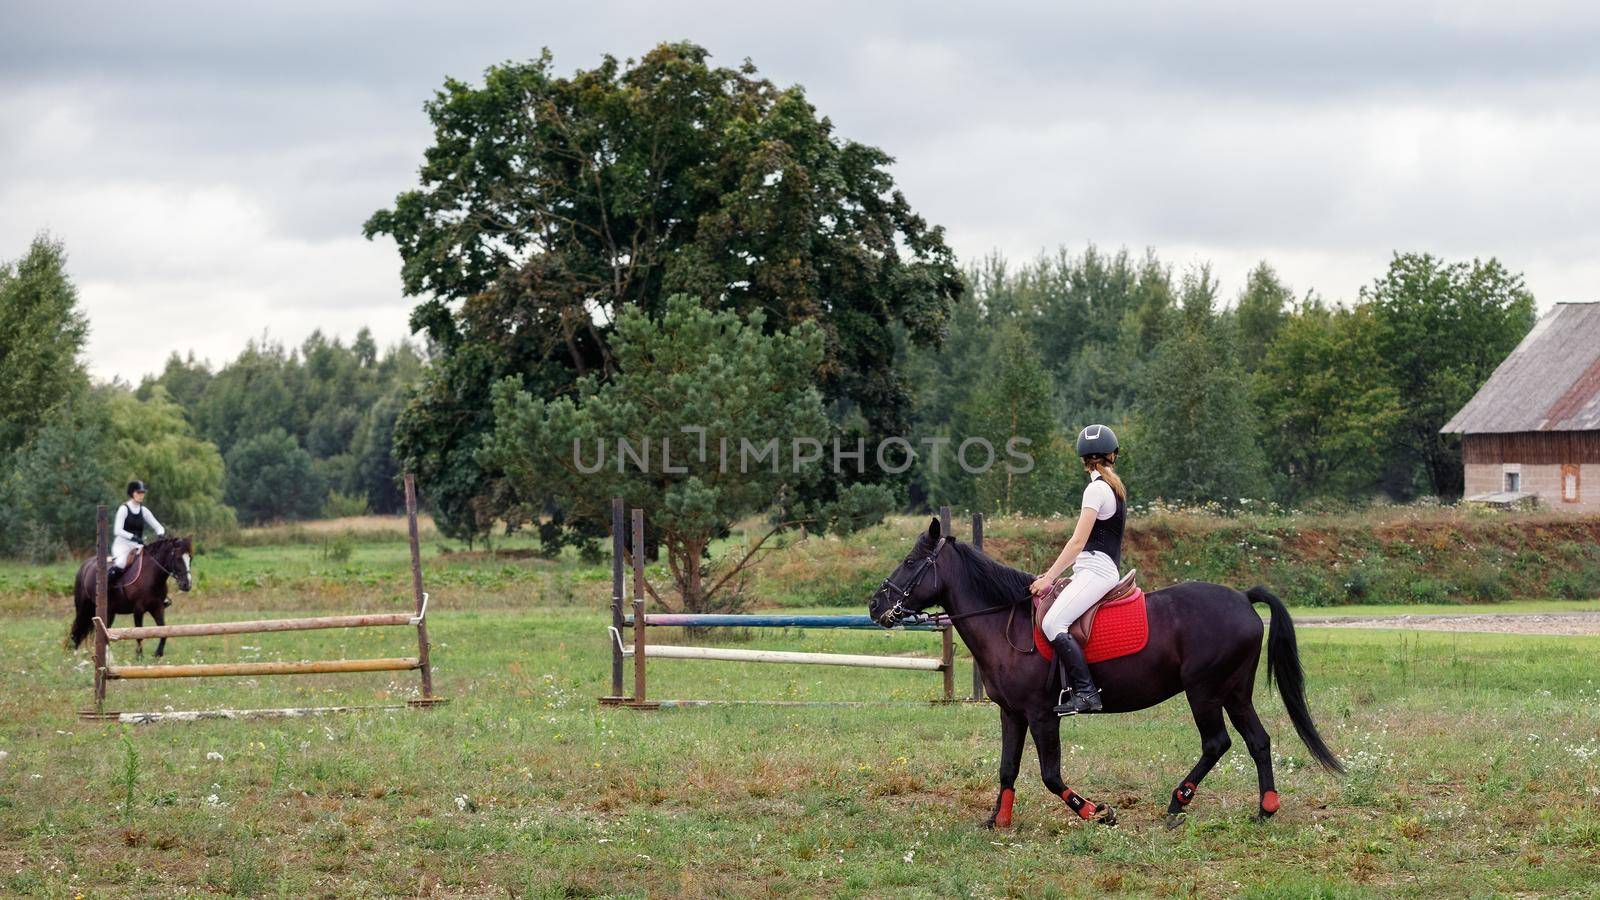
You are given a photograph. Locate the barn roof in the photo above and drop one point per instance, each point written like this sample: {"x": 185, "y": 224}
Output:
{"x": 1551, "y": 382}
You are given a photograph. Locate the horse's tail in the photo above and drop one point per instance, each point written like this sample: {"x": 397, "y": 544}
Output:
{"x": 83, "y": 622}
{"x": 1283, "y": 661}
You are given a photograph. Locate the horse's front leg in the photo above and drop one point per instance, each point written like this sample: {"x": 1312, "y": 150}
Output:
{"x": 1013, "y": 735}
{"x": 160, "y": 615}
{"x": 138, "y": 622}
{"x": 1047, "y": 741}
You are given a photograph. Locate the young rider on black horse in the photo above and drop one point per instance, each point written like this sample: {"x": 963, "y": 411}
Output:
{"x": 128, "y": 531}
{"x": 1095, "y": 554}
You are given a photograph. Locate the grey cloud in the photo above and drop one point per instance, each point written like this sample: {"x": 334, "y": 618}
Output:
{"x": 1321, "y": 137}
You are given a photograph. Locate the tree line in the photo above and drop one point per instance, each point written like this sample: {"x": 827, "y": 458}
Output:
{"x": 633, "y": 249}
{"x": 1272, "y": 397}
{"x": 274, "y": 434}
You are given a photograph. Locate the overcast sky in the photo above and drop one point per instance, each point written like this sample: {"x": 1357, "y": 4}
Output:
{"x": 209, "y": 166}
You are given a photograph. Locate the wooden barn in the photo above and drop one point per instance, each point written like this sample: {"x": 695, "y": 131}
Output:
{"x": 1533, "y": 429}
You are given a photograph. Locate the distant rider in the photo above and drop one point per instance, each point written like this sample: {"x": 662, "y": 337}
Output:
{"x": 128, "y": 531}
{"x": 1095, "y": 553}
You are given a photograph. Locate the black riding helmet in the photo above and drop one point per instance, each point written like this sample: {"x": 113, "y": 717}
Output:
{"x": 1096, "y": 440}
{"x": 137, "y": 485}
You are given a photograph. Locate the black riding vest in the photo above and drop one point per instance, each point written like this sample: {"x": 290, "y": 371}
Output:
{"x": 133, "y": 523}
{"x": 1106, "y": 535}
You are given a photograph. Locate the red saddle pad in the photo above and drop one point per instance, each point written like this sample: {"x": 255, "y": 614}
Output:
{"x": 1120, "y": 628}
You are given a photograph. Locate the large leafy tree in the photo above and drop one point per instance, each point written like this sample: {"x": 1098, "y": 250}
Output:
{"x": 270, "y": 477}
{"x": 1327, "y": 413}
{"x": 50, "y": 486}
{"x": 43, "y": 333}
{"x": 1025, "y": 458}
{"x": 1442, "y": 330}
{"x": 1197, "y": 429}
{"x": 52, "y": 431}
{"x": 550, "y": 205}
{"x": 1259, "y": 313}
{"x": 690, "y": 390}
{"x": 151, "y": 441}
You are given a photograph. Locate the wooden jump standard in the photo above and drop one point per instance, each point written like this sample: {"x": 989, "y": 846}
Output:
{"x": 104, "y": 637}
{"x": 640, "y": 650}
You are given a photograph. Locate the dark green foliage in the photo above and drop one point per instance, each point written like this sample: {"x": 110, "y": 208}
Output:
{"x": 550, "y": 205}
{"x": 693, "y": 368}
{"x": 1011, "y": 408}
{"x": 52, "y": 431}
{"x": 1261, "y": 310}
{"x": 270, "y": 477}
{"x": 1443, "y": 328}
{"x": 1328, "y": 414}
{"x": 339, "y": 402}
{"x": 43, "y": 332}
{"x": 150, "y": 440}
{"x": 51, "y": 485}
{"x": 1196, "y": 429}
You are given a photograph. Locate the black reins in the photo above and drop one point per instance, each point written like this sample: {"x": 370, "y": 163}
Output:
{"x": 899, "y": 614}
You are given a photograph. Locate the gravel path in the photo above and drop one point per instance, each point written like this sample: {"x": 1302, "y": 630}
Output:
{"x": 1573, "y": 623}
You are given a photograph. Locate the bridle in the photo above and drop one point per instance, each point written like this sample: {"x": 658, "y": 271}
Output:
{"x": 900, "y": 612}
{"x": 156, "y": 562}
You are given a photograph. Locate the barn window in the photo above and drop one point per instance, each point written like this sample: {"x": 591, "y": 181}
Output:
{"x": 1513, "y": 482}
{"x": 1569, "y": 484}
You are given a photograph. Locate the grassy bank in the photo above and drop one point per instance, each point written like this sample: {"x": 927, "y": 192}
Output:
{"x": 1402, "y": 555}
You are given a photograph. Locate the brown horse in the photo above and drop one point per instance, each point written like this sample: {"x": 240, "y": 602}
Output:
{"x": 1204, "y": 641}
{"x": 141, "y": 589}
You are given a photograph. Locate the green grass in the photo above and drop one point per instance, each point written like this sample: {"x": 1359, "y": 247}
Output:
{"x": 1475, "y": 763}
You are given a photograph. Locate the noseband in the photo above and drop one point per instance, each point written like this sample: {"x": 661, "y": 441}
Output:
{"x": 899, "y": 611}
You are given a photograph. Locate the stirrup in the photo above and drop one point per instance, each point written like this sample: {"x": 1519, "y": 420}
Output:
{"x": 1065, "y": 705}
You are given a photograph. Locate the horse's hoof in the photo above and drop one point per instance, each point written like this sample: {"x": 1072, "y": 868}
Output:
{"x": 1175, "y": 819}
{"x": 1262, "y": 817}
{"x": 1106, "y": 816}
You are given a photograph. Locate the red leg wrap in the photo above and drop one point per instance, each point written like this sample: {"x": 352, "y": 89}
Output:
{"x": 1002, "y": 819}
{"x": 1184, "y": 793}
{"x": 1082, "y": 807}
{"x": 1269, "y": 802}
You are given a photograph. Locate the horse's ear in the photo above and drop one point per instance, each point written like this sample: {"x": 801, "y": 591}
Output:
{"x": 933, "y": 529}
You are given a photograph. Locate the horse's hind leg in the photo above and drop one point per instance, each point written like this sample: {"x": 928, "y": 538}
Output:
{"x": 1245, "y": 721}
{"x": 1214, "y": 742}
{"x": 1047, "y": 741}
{"x": 1013, "y": 734}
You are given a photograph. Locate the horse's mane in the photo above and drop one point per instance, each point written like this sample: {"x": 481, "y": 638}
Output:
{"x": 995, "y": 581}
{"x": 166, "y": 549}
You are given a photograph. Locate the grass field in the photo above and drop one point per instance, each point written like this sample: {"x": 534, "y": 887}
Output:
{"x": 1475, "y": 762}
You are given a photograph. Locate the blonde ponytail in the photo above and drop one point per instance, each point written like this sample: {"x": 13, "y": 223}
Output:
{"x": 1102, "y": 465}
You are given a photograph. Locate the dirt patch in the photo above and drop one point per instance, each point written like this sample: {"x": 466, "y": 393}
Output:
{"x": 1577, "y": 624}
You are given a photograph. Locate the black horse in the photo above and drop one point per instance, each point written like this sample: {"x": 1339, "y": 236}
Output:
{"x": 1205, "y": 641}
{"x": 141, "y": 589}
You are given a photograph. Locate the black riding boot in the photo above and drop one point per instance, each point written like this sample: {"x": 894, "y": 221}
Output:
{"x": 1075, "y": 677}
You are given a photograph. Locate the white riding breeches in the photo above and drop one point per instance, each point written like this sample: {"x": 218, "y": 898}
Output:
{"x": 1093, "y": 575}
{"x": 121, "y": 549}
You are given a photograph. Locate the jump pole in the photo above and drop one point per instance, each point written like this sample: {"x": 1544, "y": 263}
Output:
{"x": 639, "y": 700}
{"x": 617, "y": 590}
{"x": 104, "y": 636}
{"x": 977, "y": 542}
{"x": 423, "y": 665}
{"x": 101, "y": 605}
